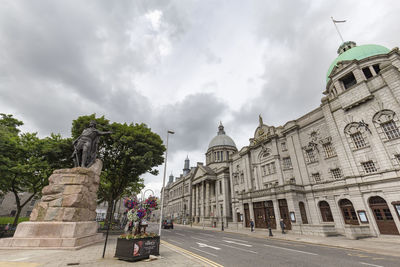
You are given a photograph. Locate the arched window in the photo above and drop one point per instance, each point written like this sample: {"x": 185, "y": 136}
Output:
{"x": 348, "y": 212}
{"x": 385, "y": 120}
{"x": 326, "y": 213}
{"x": 303, "y": 213}
{"x": 357, "y": 136}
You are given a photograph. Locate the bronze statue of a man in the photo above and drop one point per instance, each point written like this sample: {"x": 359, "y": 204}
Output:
{"x": 85, "y": 146}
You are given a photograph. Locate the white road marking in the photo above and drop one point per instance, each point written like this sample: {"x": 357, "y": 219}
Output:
{"x": 200, "y": 239}
{"x": 180, "y": 234}
{"x": 205, "y": 252}
{"x": 237, "y": 243}
{"x": 174, "y": 241}
{"x": 20, "y": 259}
{"x": 202, "y": 245}
{"x": 369, "y": 264}
{"x": 206, "y": 234}
{"x": 305, "y": 252}
{"x": 236, "y": 239}
{"x": 255, "y": 252}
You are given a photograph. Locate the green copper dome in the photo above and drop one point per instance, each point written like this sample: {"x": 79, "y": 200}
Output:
{"x": 358, "y": 53}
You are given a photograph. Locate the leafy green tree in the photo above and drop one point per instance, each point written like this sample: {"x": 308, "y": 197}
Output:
{"x": 27, "y": 161}
{"x": 129, "y": 152}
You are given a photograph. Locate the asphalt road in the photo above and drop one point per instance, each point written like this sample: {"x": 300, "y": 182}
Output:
{"x": 230, "y": 249}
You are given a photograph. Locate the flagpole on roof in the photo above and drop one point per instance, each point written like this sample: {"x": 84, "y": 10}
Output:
{"x": 337, "y": 29}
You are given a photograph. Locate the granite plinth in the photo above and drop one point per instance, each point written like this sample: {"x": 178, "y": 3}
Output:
{"x": 53, "y": 235}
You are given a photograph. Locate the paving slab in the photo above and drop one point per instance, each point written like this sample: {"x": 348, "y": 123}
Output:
{"x": 90, "y": 256}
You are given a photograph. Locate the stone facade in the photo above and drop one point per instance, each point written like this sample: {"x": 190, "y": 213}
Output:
{"x": 335, "y": 170}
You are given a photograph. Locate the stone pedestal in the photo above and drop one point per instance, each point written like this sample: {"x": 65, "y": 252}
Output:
{"x": 65, "y": 216}
{"x": 53, "y": 235}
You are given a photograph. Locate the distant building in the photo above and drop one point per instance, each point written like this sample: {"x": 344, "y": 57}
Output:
{"x": 8, "y": 206}
{"x": 335, "y": 170}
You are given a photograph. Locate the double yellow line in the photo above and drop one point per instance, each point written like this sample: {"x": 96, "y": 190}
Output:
{"x": 191, "y": 254}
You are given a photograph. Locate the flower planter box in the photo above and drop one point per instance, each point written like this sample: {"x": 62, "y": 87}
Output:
{"x": 137, "y": 249}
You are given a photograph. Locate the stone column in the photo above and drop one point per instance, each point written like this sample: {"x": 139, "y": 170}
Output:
{"x": 197, "y": 200}
{"x": 251, "y": 209}
{"x": 207, "y": 199}
{"x": 193, "y": 199}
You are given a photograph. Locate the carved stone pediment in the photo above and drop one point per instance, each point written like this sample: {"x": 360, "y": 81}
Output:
{"x": 262, "y": 133}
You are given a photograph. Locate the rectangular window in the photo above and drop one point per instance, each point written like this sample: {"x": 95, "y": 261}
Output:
{"x": 270, "y": 168}
{"x": 264, "y": 170}
{"x": 283, "y": 145}
{"x": 376, "y": 68}
{"x": 358, "y": 140}
{"x": 329, "y": 150}
{"x": 349, "y": 80}
{"x": 222, "y": 155}
{"x": 287, "y": 163}
{"x": 227, "y": 155}
{"x": 310, "y": 155}
{"x": 397, "y": 157}
{"x": 336, "y": 173}
{"x": 391, "y": 129}
{"x": 220, "y": 187}
{"x": 367, "y": 72}
{"x": 369, "y": 166}
{"x": 242, "y": 178}
{"x": 236, "y": 179}
{"x": 316, "y": 177}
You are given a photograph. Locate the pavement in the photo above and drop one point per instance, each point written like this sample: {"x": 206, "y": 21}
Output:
{"x": 175, "y": 255}
{"x": 92, "y": 256}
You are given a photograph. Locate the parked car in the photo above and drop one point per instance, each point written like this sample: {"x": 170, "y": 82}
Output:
{"x": 168, "y": 224}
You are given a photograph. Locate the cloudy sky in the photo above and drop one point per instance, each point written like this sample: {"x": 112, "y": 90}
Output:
{"x": 181, "y": 65}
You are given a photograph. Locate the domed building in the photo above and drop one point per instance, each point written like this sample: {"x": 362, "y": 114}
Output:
{"x": 333, "y": 171}
{"x": 220, "y": 148}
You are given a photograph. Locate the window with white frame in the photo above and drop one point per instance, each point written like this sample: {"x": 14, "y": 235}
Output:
{"x": 287, "y": 163}
{"x": 329, "y": 150}
{"x": 316, "y": 177}
{"x": 369, "y": 166}
{"x": 336, "y": 173}
{"x": 390, "y": 129}
{"x": 311, "y": 155}
{"x": 358, "y": 140}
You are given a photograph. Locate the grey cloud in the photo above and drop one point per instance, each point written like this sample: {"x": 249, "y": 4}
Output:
{"x": 194, "y": 119}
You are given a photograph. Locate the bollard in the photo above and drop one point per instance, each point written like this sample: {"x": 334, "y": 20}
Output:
{"x": 222, "y": 228}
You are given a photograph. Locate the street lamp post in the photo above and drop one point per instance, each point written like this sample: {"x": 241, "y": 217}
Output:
{"x": 163, "y": 189}
{"x": 143, "y": 193}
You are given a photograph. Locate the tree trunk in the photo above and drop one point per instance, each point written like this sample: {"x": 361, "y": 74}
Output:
{"x": 17, "y": 216}
{"x": 20, "y": 205}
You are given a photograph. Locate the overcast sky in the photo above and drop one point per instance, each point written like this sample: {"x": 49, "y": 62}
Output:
{"x": 180, "y": 65}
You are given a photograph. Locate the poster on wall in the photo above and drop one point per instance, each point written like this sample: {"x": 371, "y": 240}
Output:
{"x": 363, "y": 216}
{"x": 292, "y": 216}
{"x": 397, "y": 206}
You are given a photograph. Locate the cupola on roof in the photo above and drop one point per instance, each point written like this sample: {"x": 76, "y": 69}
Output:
{"x": 221, "y": 139}
{"x": 349, "y": 51}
